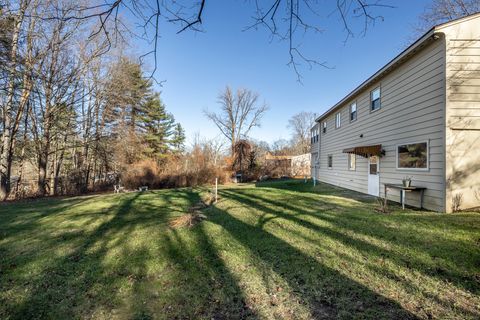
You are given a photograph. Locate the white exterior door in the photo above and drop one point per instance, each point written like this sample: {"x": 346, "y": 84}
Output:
{"x": 373, "y": 176}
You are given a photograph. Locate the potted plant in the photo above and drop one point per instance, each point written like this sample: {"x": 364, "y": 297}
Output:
{"x": 407, "y": 181}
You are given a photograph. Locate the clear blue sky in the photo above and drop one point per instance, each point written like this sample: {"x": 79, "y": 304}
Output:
{"x": 197, "y": 66}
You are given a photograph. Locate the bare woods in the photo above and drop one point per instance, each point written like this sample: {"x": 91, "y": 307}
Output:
{"x": 75, "y": 113}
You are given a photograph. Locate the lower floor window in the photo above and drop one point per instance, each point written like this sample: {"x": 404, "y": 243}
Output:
{"x": 352, "y": 159}
{"x": 314, "y": 160}
{"x": 412, "y": 156}
{"x": 330, "y": 161}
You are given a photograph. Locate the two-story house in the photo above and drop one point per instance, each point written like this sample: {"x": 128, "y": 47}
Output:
{"x": 417, "y": 117}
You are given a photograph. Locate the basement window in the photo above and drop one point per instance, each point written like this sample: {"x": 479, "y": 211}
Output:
{"x": 412, "y": 156}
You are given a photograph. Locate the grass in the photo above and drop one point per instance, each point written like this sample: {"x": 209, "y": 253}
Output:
{"x": 273, "y": 250}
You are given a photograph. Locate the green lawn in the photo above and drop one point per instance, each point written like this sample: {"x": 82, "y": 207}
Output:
{"x": 280, "y": 250}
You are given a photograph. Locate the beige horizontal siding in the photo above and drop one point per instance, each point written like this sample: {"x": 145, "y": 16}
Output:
{"x": 412, "y": 99}
{"x": 463, "y": 113}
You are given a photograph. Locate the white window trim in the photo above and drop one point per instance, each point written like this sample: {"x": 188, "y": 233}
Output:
{"x": 338, "y": 123}
{"x": 350, "y": 111}
{"x": 348, "y": 162}
{"x": 413, "y": 169}
{"x": 371, "y": 100}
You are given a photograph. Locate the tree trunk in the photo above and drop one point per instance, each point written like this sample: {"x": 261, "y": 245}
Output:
{"x": 42, "y": 173}
{"x": 43, "y": 158}
{"x": 7, "y": 136}
{"x": 51, "y": 183}
{"x": 56, "y": 173}
{"x": 22, "y": 154}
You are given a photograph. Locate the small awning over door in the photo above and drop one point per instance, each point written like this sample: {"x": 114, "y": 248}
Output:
{"x": 366, "y": 151}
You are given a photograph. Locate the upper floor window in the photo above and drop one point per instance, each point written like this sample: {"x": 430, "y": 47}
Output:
{"x": 324, "y": 127}
{"x": 353, "y": 111}
{"x": 412, "y": 156}
{"x": 314, "y": 135}
{"x": 375, "y": 99}
{"x": 338, "y": 120}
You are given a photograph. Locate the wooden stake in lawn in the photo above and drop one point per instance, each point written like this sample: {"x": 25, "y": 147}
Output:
{"x": 216, "y": 190}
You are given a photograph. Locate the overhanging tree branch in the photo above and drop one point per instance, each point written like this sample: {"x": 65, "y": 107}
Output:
{"x": 285, "y": 20}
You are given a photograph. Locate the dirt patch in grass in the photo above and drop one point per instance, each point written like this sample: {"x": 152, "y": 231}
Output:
{"x": 187, "y": 220}
{"x": 194, "y": 215}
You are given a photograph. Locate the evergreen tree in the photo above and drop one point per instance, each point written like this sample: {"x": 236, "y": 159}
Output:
{"x": 127, "y": 91}
{"x": 6, "y": 26}
{"x": 158, "y": 126}
{"x": 178, "y": 139}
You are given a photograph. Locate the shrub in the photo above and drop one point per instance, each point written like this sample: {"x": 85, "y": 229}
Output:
{"x": 171, "y": 174}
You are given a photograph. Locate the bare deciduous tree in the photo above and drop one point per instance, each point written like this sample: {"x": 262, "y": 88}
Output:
{"x": 300, "y": 124}
{"x": 440, "y": 11}
{"x": 56, "y": 135}
{"x": 12, "y": 108}
{"x": 281, "y": 147}
{"x": 239, "y": 113}
{"x": 55, "y": 92}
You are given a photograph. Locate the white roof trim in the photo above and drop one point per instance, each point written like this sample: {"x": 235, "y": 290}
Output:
{"x": 429, "y": 35}
{"x": 456, "y": 21}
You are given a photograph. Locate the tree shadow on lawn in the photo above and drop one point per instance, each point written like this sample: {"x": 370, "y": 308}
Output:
{"x": 169, "y": 274}
{"x": 345, "y": 220}
{"x": 201, "y": 284}
{"x": 178, "y": 273}
{"x": 324, "y": 291}
{"x": 299, "y": 185}
{"x": 362, "y": 220}
{"x": 66, "y": 287}
{"x": 25, "y": 215}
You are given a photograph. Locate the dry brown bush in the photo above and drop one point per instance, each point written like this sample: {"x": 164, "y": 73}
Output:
{"x": 174, "y": 173}
{"x": 142, "y": 173}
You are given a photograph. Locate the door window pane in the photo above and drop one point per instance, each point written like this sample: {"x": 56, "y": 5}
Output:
{"x": 373, "y": 165}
